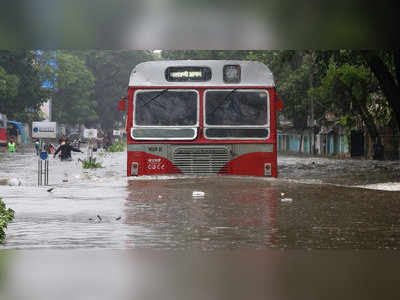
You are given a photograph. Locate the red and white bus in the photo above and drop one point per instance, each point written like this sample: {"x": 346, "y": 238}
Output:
{"x": 3, "y": 129}
{"x": 201, "y": 117}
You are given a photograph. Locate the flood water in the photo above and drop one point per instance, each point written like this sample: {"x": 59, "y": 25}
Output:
{"x": 316, "y": 204}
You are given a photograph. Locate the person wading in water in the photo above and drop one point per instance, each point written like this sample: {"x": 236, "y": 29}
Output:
{"x": 11, "y": 145}
{"x": 65, "y": 148}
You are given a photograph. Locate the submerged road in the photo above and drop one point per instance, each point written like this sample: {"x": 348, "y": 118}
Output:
{"x": 316, "y": 203}
{"x": 325, "y": 229}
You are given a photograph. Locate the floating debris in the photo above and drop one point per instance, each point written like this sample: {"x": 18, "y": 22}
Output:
{"x": 286, "y": 200}
{"x": 198, "y": 194}
{"x": 65, "y": 177}
{"x": 117, "y": 219}
{"x": 50, "y": 190}
{"x": 14, "y": 182}
{"x": 100, "y": 219}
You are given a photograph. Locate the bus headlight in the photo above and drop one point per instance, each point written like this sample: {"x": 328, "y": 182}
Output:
{"x": 267, "y": 169}
{"x": 134, "y": 169}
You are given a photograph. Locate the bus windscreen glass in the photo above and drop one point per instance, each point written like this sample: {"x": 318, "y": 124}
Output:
{"x": 166, "y": 108}
{"x": 236, "y": 107}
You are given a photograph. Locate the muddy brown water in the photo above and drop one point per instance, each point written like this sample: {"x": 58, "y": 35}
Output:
{"x": 323, "y": 225}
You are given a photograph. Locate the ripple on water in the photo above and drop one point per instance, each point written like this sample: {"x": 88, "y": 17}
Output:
{"x": 160, "y": 212}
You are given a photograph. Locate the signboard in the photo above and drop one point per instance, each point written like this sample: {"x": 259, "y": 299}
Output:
{"x": 42, "y": 130}
{"x": 188, "y": 73}
{"x": 90, "y": 133}
{"x": 116, "y": 132}
{"x": 43, "y": 155}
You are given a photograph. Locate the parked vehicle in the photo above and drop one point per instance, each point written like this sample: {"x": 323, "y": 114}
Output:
{"x": 3, "y": 129}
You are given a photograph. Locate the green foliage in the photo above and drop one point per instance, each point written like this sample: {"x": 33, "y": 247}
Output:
{"x": 8, "y": 84}
{"x": 117, "y": 147}
{"x": 357, "y": 91}
{"x": 73, "y": 88}
{"x": 337, "y": 81}
{"x": 6, "y": 215}
{"x": 90, "y": 163}
{"x": 21, "y": 91}
{"x": 87, "y": 84}
{"x": 332, "y": 96}
{"x": 203, "y": 54}
{"x": 295, "y": 72}
{"x": 111, "y": 70}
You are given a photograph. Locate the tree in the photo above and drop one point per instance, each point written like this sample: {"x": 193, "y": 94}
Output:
{"x": 21, "y": 91}
{"x": 72, "y": 88}
{"x": 386, "y": 68}
{"x": 111, "y": 70}
{"x": 349, "y": 91}
{"x": 8, "y": 87}
{"x": 203, "y": 54}
{"x": 295, "y": 72}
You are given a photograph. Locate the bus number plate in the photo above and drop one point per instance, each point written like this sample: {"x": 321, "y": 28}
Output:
{"x": 155, "y": 149}
{"x": 155, "y": 164}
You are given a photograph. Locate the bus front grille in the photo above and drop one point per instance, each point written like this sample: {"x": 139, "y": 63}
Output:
{"x": 198, "y": 159}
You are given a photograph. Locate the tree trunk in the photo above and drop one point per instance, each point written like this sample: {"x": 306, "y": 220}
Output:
{"x": 360, "y": 106}
{"x": 386, "y": 79}
{"x": 301, "y": 142}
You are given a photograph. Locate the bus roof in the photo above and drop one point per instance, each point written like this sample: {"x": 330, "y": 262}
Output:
{"x": 152, "y": 73}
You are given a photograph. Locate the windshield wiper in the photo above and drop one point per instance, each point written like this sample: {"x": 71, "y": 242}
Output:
{"x": 154, "y": 99}
{"x": 223, "y": 101}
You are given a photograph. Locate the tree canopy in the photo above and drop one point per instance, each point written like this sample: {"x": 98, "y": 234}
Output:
{"x": 111, "y": 71}
{"x": 356, "y": 86}
{"x": 73, "y": 88}
{"x": 361, "y": 86}
{"x": 21, "y": 91}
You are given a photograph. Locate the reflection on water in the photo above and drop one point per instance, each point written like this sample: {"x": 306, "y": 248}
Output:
{"x": 231, "y": 214}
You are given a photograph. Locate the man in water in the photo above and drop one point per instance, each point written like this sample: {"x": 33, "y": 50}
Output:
{"x": 48, "y": 147}
{"x": 11, "y": 145}
{"x": 37, "y": 147}
{"x": 65, "y": 148}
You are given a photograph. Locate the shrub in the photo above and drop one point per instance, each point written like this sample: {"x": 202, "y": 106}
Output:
{"x": 6, "y": 215}
{"x": 116, "y": 147}
{"x": 90, "y": 163}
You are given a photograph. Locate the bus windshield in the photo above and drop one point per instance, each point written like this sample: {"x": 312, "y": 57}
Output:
{"x": 166, "y": 108}
{"x": 236, "y": 108}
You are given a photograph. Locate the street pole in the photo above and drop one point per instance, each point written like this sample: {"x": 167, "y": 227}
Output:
{"x": 312, "y": 138}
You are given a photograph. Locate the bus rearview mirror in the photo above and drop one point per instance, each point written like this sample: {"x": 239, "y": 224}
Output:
{"x": 122, "y": 104}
